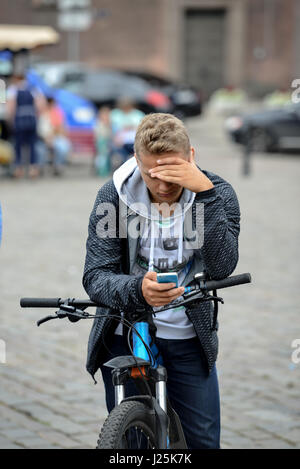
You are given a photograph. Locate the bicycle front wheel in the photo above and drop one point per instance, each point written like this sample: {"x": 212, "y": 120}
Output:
{"x": 130, "y": 425}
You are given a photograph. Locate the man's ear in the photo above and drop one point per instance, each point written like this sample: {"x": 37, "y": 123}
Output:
{"x": 137, "y": 160}
{"x": 192, "y": 155}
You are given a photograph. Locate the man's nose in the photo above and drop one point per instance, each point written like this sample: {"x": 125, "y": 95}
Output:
{"x": 164, "y": 186}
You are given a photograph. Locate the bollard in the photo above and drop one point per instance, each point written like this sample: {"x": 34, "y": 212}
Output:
{"x": 246, "y": 169}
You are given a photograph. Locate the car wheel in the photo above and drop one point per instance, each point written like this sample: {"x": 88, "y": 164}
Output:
{"x": 259, "y": 140}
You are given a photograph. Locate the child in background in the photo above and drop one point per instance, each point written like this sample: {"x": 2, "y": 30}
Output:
{"x": 53, "y": 144}
{"x": 125, "y": 120}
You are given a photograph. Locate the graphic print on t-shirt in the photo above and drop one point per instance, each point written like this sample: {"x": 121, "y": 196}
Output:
{"x": 167, "y": 256}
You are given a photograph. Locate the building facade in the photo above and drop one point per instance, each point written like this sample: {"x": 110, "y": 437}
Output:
{"x": 207, "y": 43}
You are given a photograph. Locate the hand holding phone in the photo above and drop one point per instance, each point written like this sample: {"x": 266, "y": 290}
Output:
{"x": 158, "y": 293}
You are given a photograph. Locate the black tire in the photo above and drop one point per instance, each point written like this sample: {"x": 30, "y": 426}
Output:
{"x": 131, "y": 418}
{"x": 260, "y": 140}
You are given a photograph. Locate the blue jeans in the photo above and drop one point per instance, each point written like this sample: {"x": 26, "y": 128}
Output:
{"x": 23, "y": 139}
{"x": 125, "y": 151}
{"x": 192, "y": 392}
{"x": 61, "y": 148}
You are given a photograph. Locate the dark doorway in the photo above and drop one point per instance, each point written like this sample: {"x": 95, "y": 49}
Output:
{"x": 204, "y": 49}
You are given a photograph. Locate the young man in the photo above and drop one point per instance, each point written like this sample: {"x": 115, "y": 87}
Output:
{"x": 162, "y": 213}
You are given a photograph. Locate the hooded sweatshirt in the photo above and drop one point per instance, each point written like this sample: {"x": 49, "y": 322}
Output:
{"x": 161, "y": 244}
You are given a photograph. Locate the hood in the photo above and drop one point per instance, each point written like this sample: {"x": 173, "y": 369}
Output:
{"x": 133, "y": 191}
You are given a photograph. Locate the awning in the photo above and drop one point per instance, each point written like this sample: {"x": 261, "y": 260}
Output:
{"x": 17, "y": 37}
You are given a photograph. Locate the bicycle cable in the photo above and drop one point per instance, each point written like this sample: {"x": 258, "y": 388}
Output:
{"x": 149, "y": 351}
{"x": 131, "y": 326}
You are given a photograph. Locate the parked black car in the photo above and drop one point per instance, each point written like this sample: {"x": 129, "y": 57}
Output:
{"x": 186, "y": 100}
{"x": 105, "y": 87}
{"x": 267, "y": 130}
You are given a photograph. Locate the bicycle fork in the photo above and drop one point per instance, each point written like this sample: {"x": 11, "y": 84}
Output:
{"x": 160, "y": 388}
{"x": 158, "y": 403}
{"x": 161, "y": 394}
{"x": 119, "y": 393}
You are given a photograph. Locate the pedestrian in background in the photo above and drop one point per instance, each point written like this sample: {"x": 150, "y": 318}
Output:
{"x": 23, "y": 106}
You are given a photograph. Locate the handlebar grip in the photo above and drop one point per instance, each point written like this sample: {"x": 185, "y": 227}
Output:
{"x": 40, "y": 302}
{"x": 228, "y": 282}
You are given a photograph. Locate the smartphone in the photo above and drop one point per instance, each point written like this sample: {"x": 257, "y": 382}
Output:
{"x": 168, "y": 277}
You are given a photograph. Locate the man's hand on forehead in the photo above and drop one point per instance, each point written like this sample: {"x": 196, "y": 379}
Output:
{"x": 183, "y": 172}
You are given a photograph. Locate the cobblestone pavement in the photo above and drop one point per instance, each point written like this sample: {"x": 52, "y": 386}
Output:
{"x": 47, "y": 399}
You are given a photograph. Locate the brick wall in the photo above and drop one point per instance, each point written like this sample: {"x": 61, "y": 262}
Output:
{"x": 138, "y": 34}
{"x": 130, "y": 36}
{"x": 271, "y": 42}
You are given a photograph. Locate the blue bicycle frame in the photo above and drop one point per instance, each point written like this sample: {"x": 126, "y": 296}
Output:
{"x": 140, "y": 351}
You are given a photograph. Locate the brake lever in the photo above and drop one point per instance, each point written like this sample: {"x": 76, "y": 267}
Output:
{"x": 189, "y": 297}
{"x": 64, "y": 311}
{"x": 45, "y": 319}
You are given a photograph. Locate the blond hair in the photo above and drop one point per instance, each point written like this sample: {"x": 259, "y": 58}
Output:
{"x": 161, "y": 133}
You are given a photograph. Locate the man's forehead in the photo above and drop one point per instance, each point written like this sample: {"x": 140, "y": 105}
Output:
{"x": 149, "y": 161}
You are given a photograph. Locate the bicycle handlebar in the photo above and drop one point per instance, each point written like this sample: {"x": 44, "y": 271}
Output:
{"x": 40, "y": 302}
{"x": 228, "y": 282}
{"x": 54, "y": 303}
{"x": 208, "y": 285}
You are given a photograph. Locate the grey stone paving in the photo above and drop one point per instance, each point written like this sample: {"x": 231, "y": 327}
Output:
{"x": 47, "y": 399}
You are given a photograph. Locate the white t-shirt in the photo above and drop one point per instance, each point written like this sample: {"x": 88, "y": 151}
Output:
{"x": 172, "y": 323}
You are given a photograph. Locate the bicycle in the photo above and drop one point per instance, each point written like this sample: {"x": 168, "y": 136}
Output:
{"x": 147, "y": 420}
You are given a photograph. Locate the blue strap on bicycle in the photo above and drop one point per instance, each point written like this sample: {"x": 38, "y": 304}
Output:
{"x": 153, "y": 346}
{"x": 156, "y": 354}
